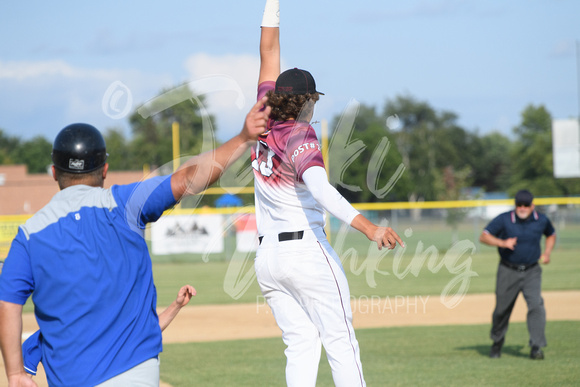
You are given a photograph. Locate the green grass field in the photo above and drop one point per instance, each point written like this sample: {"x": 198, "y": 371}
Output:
{"x": 563, "y": 273}
{"x": 424, "y": 267}
{"x": 410, "y": 356}
{"x": 402, "y": 356}
{"x": 370, "y": 275}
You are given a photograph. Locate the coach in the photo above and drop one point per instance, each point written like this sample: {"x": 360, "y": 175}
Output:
{"x": 518, "y": 234}
{"x": 84, "y": 259}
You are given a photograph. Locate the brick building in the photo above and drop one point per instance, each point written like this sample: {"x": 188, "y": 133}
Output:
{"x": 22, "y": 193}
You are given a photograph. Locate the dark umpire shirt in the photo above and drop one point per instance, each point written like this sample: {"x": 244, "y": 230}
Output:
{"x": 528, "y": 231}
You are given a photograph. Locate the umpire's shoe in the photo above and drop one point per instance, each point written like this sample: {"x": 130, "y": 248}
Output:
{"x": 536, "y": 353}
{"x": 496, "y": 349}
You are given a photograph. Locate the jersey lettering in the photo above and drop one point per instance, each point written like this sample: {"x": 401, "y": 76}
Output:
{"x": 265, "y": 167}
{"x": 303, "y": 147}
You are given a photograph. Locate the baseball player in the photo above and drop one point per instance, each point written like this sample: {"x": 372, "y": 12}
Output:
{"x": 84, "y": 259}
{"x": 299, "y": 273}
{"x": 32, "y": 354}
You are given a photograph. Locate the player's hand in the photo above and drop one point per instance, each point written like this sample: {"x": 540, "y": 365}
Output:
{"x": 256, "y": 120}
{"x": 184, "y": 295}
{"x": 387, "y": 237}
{"x": 545, "y": 258}
{"x": 510, "y": 243}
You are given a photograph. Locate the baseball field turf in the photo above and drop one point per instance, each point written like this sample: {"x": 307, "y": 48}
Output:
{"x": 401, "y": 356}
{"x": 436, "y": 355}
{"x": 447, "y": 355}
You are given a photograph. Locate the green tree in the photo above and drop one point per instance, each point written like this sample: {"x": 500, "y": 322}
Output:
{"x": 152, "y": 124}
{"x": 429, "y": 141}
{"x": 152, "y": 142}
{"x": 492, "y": 167}
{"x": 364, "y": 162}
{"x": 119, "y": 150}
{"x": 35, "y": 153}
{"x": 7, "y": 146}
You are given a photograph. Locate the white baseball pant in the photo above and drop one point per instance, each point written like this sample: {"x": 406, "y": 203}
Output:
{"x": 305, "y": 285}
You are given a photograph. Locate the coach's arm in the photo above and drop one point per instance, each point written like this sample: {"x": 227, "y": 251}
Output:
{"x": 11, "y": 344}
{"x": 203, "y": 170}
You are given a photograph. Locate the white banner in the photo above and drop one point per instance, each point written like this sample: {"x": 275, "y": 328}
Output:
{"x": 174, "y": 234}
{"x": 566, "y": 148}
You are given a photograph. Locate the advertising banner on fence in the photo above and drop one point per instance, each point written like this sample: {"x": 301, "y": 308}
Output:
{"x": 175, "y": 234}
{"x": 8, "y": 229}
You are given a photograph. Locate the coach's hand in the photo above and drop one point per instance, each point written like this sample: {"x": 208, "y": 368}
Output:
{"x": 21, "y": 379}
{"x": 256, "y": 120}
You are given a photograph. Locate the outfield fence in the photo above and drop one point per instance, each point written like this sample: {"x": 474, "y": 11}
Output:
{"x": 216, "y": 233}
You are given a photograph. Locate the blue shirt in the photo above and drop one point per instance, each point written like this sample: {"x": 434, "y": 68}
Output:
{"x": 528, "y": 231}
{"x": 84, "y": 259}
{"x": 31, "y": 353}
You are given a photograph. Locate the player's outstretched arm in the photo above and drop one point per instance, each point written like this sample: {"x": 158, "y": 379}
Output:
{"x": 328, "y": 197}
{"x": 270, "y": 42}
{"x": 203, "y": 170}
{"x": 183, "y": 297}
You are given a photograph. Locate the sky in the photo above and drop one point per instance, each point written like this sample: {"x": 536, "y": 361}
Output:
{"x": 97, "y": 62}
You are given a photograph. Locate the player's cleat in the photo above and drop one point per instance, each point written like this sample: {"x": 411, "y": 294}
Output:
{"x": 536, "y": 354}
{"x": 495, "y": 352}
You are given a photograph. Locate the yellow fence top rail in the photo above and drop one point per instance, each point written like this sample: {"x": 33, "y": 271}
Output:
{"x": 358, "y": 206}
{"x": 396, "y": 205}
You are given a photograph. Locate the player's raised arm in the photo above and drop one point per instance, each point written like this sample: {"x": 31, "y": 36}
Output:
{"x": 203, "y": 170}
{"x": 270, "y": 42}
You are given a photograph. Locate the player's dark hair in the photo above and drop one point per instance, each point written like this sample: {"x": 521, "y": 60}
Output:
{"x": 66, "y": 179}
{"x": 290, "y": 106}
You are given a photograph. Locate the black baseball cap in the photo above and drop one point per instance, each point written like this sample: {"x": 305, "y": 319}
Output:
{"x": 524, "y": 198}
{"x": 296, "y": 82}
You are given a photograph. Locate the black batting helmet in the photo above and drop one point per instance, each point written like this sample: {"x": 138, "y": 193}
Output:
{"x": 79, "y": 148}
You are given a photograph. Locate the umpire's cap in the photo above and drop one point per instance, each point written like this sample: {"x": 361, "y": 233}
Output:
{"x": 79, "y": 148}
{"x": 524, "y": 198}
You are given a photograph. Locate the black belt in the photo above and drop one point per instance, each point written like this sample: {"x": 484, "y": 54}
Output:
{"x": 518, "y": 267}
{"x": 287, "y": 236}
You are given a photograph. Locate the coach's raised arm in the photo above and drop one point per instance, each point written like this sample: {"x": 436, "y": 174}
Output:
{"x": 85, "y": 258}
{"x": 203, "y": 170}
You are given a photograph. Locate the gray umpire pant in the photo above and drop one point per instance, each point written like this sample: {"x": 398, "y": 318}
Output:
{"x": 509, "y": 284}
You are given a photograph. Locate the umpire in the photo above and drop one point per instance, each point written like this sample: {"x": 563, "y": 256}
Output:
{"x": 517, "y": 234}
